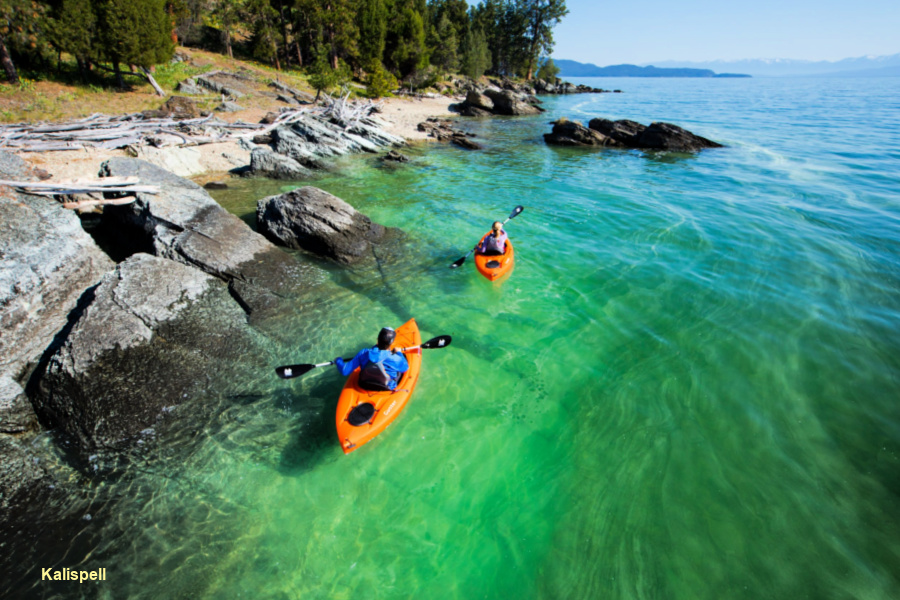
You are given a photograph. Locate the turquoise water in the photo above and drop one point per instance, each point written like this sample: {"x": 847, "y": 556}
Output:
{"x": 687, "y": 389}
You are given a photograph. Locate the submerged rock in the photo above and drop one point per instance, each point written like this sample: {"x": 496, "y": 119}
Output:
{"x": 318, "y": 222}
{"x": 394, "y": 156}
{"x": 443, "y": 131}
{"x": 21, "y": 475}
{"x": 154, "y": 335}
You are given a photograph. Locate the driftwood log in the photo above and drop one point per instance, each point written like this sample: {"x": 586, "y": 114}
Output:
{"x": 101, "y": 131}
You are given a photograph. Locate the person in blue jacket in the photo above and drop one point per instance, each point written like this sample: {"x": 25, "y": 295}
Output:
{"x": 379, "y": 367}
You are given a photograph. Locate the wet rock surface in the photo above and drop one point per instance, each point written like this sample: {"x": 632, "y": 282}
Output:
{"x": 48, "y": 263}
{"x": 16, "y": 412}
{"x": 573, "y": 133}
{"x": 153, "y": 335}
{"x": 627, "y": 134}
{"x": 316, "y": 221}
{"x": 183, "y": 223}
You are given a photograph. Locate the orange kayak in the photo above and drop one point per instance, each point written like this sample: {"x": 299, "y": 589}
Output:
{"x": 495, "y": 267}
{"x": 363, "y": 414}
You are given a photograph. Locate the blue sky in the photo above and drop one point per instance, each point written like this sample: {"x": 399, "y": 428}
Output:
{"x": 646, "y": 31}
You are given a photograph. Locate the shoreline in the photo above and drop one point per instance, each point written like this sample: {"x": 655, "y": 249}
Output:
{"x": 402, "y": 116}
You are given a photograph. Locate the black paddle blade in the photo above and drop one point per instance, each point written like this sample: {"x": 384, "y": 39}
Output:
{"x": 516, "y": 211}
{"x": 459, "y": 262}
{"x": 290, "y": 371}
{"x": 441, "y": 341}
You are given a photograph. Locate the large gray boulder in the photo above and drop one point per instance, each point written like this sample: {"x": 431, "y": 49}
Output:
{"x": 318, "y": 222}
{"x": 156, "y": 334}
{"x": 476, "y": 100}
{"x": 508, "y": 102}
{"x": 265, "y": 162}
{"x": 183, "y": 223}
{"x": 48, "y": 263}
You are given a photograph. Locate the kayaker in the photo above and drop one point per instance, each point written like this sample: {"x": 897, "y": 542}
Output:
{"x": 494, "y": 243}
{"x": 379, "y": 367}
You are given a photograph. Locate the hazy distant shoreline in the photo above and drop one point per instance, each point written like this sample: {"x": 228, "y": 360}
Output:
{"x": 866, "y": 66}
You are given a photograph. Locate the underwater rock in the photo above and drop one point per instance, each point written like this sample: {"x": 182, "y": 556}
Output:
{"x": 155, "y": 334}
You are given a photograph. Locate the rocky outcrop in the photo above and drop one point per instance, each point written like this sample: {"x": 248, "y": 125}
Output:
{"x": 16, "y": 413}
{"x": 311, "y": 140}
{"x": 442, "y": 130}
{"x": 183, "y": 223}
{"x": 573, "y": 133}
{"x": 48, "y": 263}
{"x": 482, "y": 102}
{"x": 624, "y": 132}
{"x": 479, "y": 101}
{"x": 235, "y": 85}
{"x": 627, "y": 134}
{"x": 507, "y": 102}
{"x": 318, "y": 222}
{"x": 665, "y": 136}
{"x": 265, "y": 162}
{"x": 154, "y": 335}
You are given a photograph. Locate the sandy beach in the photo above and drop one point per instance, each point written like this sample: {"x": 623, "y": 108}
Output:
{"x": 402, "y": 115}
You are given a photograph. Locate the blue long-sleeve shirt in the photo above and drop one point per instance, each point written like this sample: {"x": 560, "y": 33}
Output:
{"x": 394, "y": 364}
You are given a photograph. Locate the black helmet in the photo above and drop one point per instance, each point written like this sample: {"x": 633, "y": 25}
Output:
{"x": 386, "y": 338}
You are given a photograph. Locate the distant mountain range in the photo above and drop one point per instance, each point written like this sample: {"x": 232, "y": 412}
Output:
{"x": 864, "y": 66}
{"x": 571, "y": 68}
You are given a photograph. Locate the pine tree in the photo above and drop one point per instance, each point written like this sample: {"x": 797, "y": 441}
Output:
{"x": 227, "y": 15}
{"x": 21, "y": 28}
{"x": 134, "y": 32}
{"x": 540, "y": 18}
{"x": 405, "y": 49}
{"x": 372, "y": 24}
{"x": 263, "y": 18}
{"x": 476, "y": 56}
{"x": 548, "y": 71}
{"x": 444, "y": 53}
{"x": 74, "y": 30}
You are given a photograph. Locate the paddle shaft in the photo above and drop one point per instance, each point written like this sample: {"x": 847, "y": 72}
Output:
{"x": 290, "y": 371}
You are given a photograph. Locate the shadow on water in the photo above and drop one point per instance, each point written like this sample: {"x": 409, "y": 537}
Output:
{"x": 312, "y": 436}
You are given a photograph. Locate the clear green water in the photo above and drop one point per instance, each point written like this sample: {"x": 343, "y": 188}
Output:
{"x": 687, "y": 389}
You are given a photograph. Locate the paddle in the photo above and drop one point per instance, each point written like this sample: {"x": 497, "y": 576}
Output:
{"x": 512, "y": 215}
{"x": 290, "y": 371}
